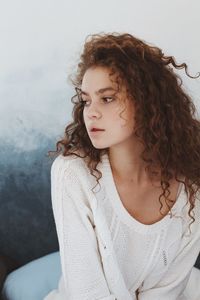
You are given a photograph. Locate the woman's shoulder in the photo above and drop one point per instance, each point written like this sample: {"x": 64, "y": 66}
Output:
{"x": 68, "y": 162}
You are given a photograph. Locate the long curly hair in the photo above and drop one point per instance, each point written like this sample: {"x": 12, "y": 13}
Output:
{"x": 165, "y": 121}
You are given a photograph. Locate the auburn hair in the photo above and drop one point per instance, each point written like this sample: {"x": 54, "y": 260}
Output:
{"x": 165, "y": 121}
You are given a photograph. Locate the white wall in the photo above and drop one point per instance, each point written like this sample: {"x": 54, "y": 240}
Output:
{"x": 41, "y": 40}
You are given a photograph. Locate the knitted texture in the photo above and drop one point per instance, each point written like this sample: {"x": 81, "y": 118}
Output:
{"x": 106, "y": 253}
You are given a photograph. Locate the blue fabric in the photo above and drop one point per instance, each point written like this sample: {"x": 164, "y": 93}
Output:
{"x": 34, "y": 280}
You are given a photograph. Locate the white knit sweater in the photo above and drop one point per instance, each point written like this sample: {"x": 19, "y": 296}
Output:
{"x": 106, "y": 254}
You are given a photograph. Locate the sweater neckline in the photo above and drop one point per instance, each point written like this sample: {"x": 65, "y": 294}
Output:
{"x": 122, "y": 212}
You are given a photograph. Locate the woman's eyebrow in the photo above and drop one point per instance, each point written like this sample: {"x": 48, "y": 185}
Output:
{"x": 100, "y": 91}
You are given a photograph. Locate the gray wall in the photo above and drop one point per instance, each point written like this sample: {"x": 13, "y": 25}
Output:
{"x": 40, "y": 45}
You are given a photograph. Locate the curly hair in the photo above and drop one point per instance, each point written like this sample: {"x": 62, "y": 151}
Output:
{"x": 165, "y": 121}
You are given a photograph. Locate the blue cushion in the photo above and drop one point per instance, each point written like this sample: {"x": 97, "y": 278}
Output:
{"x": 34, "y": 280}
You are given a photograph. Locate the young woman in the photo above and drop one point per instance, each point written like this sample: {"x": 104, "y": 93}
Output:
{"x": 125, "y": 185}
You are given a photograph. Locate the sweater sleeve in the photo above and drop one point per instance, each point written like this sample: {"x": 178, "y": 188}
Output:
{"x": 80, "y": 259}
{"x": 173, "y": 283}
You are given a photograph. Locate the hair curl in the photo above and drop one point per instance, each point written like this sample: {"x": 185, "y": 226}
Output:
{"x": 164, "y": 113}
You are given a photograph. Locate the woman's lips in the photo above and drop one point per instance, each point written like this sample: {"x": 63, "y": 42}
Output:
{"x": 97, "y": 129}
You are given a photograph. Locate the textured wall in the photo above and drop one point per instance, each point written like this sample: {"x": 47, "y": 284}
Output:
{"x": 40, "y": 43}
{"x": 27, "y": 228}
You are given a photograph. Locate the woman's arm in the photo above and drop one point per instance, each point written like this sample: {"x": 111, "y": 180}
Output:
{"x": 80, "y": 260}
{"x": 173, "y": 283}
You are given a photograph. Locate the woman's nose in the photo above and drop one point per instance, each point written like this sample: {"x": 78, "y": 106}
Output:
{"x": 93, "y": 111}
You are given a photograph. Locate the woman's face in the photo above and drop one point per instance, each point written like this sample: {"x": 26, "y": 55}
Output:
{"x": 102, "y": 108}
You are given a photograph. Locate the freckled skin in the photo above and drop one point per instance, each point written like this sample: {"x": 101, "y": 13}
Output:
{"x": 138, "y": 195}
{"x": 106, "y": 114}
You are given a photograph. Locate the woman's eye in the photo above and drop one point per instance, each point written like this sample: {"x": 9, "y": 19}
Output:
{"x": 105, "y": 99}
{"x": 83, "y": 102}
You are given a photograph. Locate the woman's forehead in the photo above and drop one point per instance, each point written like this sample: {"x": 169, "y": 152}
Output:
{"x": 98, "y": 79}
